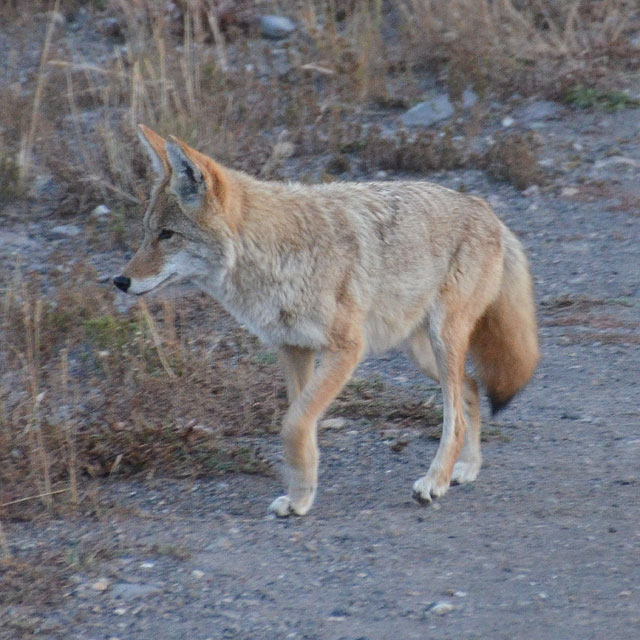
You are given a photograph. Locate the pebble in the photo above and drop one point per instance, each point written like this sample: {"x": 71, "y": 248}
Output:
{"x": 16, "y": 240}
{"x": 440, "y": 608}
{"x": 102, "y": 584}
{"x": 537, "y": 110}
{"x": 131, "y": 591}
{"x": 333, "y": 423}
{"x": 435, "y": 109}
{"x": 196, "y": 573}
{"x": 276, "y": 27}
{"x": 58, "y": 18}
{"x": 101, "y": 210}
{"x": 616, "y": 160}
{"x": 67, "y": 230}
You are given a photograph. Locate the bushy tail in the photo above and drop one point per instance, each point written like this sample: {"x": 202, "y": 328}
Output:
{"x": 504, "y": 344}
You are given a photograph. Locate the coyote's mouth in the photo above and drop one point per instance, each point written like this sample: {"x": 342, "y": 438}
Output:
{"x": 154, "y": 285}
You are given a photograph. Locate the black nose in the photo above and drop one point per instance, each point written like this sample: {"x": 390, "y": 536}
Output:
{"x": 122, "y": 282}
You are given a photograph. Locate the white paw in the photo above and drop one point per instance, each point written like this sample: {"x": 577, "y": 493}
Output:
{"x": 284, "y": 506}
{"x": 465, "y": 472}
{"x": 425, "y": 489}
{"x": 281, "y": 507}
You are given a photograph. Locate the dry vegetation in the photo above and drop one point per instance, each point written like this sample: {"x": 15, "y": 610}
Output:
{"x": 88, "y": 390}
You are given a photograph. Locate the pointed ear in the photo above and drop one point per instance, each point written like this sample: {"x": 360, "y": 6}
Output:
{"x": 154, "y": 146}
{"x": 188, "y": 180}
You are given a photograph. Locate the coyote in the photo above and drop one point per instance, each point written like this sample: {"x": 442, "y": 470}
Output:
{"x": 340, "y": 270}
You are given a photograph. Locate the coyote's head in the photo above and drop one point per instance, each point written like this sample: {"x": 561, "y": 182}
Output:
{"x": 189, "y": 223}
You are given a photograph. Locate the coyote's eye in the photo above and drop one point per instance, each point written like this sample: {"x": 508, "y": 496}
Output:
{"x": 165, "y": 234}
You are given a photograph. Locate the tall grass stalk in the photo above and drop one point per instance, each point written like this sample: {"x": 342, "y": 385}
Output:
{"x": 69, "y": 428}
{"x": 26, "y": 145}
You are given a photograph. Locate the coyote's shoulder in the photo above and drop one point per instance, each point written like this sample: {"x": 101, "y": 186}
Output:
{"x": 342, "y": 269}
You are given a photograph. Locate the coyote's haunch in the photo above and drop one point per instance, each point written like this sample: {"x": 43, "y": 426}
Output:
{"x": 341, "y": 270}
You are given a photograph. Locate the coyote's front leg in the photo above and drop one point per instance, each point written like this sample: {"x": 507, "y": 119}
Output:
{"x": 299, "y": 426}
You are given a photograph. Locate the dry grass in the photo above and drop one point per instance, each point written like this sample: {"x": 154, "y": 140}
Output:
{"x": 90, "y": 391}
{"x": 203, "y": 74}
{"x": 528, "y": 45}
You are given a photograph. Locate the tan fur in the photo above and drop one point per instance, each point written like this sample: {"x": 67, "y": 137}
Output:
{"x": 341, "y": 270}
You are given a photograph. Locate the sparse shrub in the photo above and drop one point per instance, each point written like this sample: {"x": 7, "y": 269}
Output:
{"x": 11, "y": 187}
{"x": 424, "y": 152}
{"x": 514, "y": 157}
{"x": 591, "y": 98}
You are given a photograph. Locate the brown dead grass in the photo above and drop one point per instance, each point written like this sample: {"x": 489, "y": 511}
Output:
{"x": 200, "y": 70}
{"x": 90, "y": 391}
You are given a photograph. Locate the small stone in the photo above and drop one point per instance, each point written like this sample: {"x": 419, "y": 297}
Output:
{"x": 42, "y": 186}
{"x": 508, "y": 122}
{"x": 67, "y": 230}
{"x": 58, "y": 18}
{"x": 131, "y": 591}
{"x": 440, "y": 608}
{"x": 196, "y": 573}
{"x": 537, "y": 110}
{"x": 435, "y": 109}
{"x": 276, "y": 27}
{"x": 16, "y": 240}
{"x": 101, "y": 210}
{"x": 120, "y": 611}
{"x": 616, "y": 160}
{"x": 333, "y": 423}
{"x": 568, "y": 192}
{"x": 100, "y": 585}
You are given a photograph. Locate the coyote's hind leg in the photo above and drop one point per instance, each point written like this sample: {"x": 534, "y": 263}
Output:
{"x": 467, "y": 467}
{"x": 449, "y": 336}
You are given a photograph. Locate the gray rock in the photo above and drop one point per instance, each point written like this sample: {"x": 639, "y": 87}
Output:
{"x": 14, "y": 240}
{"x": 276, "y": 27}
{"x": 440, "y": 608}
{"x": 536, "y": 111}
{"x": 43, "y": 186}
{"x": 435, "y": 109}
{"x": 67, "y": 230}
{"x": 101, "y": 210}
{"x": 129, "y": 591}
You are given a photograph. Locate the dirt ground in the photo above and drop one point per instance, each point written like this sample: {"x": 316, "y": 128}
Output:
{"x": 545, "y": 544}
